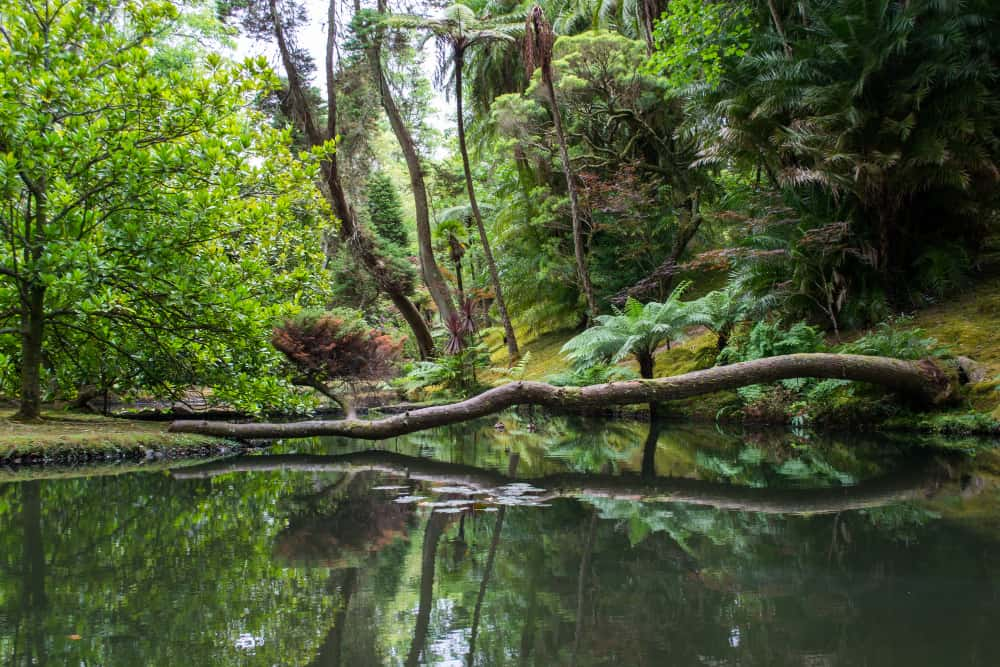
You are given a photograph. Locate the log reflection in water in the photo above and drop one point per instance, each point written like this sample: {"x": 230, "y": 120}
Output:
{"x": 920, "y": 478}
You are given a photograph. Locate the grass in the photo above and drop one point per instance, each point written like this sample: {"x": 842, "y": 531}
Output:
{"x": 75, "y": 436}
{"x": 545, "y": 359}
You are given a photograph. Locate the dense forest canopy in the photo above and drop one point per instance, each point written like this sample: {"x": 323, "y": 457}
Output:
{"x": 460, "y": 179}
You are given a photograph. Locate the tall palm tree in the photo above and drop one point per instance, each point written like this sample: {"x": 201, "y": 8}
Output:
{"x": 538, "y": 42}
{"x": 457, "y": 31}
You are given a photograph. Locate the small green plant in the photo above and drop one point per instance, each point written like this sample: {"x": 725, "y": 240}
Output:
{"x": 588, "y": 375}
{"x": 768, "y": 339}
{"x": 891, "y": 339}
{"x": 517, "y": 371}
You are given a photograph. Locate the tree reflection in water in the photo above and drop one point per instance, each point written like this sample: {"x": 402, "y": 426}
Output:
{"x": 314, "y": 562}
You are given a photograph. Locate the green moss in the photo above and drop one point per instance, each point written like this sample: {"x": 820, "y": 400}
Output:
{"x": 545, "y": 357}
{"x": 72, "y": 436}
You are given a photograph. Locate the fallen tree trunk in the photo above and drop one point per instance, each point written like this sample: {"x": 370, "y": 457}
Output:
{"x": 921, "y": 479}
{"x": 922, "y": 381}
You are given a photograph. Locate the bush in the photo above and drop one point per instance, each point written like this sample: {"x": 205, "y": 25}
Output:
{"x": 588, "y": 375}
{"x": 336, "y": 345}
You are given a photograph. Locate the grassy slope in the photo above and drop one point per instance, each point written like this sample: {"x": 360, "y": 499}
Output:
{"x": 967, "y": 323}
{"x": 72, "y": 436}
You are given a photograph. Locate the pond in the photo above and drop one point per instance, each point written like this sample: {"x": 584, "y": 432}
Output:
{"x": 556, "y": 541}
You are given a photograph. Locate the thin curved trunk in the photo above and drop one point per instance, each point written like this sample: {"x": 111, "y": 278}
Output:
{"x": 776, "y": 17}
{"x": 429, "y": 269}
{"x": 332, "y": 187}
{"x": 487, "y": 252}
{"x": 574, "y": 205}
{"x": 924, "y": 382}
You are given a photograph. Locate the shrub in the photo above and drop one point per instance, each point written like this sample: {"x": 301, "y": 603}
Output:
{"x": 336, "y": 346}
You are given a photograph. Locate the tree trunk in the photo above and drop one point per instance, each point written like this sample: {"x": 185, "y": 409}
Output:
{"x": 922, "y": 381}
{"x": 649, "y": 450}
{"x": 333, "y": 189}
{"x": 34, "y": 601}
{"x": 588, "y": 550}
{"x": 330, "y": 651}
{"x": 32, "y": 335}
{"x": 574, "y": 206}
{"x": 428, "y": 266}
{"x": 776, "y": 17}
{"x": 920, "y": 479}
{"x": 487, "y": 252}
{"x": 646, "y": 365}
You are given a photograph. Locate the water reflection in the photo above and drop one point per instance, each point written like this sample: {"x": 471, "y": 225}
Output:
{"x": 619, "y": 546}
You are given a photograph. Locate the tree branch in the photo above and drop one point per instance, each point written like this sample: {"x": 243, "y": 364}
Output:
{"x": 923, "y": 381}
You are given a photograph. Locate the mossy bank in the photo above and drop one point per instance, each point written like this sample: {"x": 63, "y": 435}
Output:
{"x": 71, "y": 438}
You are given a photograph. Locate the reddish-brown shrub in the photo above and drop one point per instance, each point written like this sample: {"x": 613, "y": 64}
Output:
{"x": 337, "y": 345}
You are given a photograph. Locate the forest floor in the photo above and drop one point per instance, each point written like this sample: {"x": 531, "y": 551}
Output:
{"x": 69, "y": 437}
{"x": 967, "y": 324}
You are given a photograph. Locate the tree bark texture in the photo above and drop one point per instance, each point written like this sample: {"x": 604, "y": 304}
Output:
{"x": 922, "y": 381}
{"x": 428, "y": 265}
{"x": 921, "y": 479}
{"x": 579, "y": 252}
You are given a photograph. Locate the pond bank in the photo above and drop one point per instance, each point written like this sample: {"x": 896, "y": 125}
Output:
{"x": 67, "y": 438}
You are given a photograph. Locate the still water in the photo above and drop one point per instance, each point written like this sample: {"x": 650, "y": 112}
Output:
{"x": 566, "y": 542}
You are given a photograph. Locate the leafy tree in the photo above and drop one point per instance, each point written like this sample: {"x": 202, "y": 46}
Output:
{"x": 137, "y": 200}
{"x": 887, "y": 110}
{"x": 635, "y": 184}
{"x": 721, "y": 310}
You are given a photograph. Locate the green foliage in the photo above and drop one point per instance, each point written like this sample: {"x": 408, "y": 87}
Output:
{"x": 636, "y": 331}
{"x": 635, "y": 188}
{"x": 454, "y": 374}
{"x": 720, "y": 311}
{"x": 770, "y": 339}
{"x": 385, "y": 210}
{"x": 582, "y": 376}
{"x": 893, "y": 338}
{"x": 699, "y": 41}
{"x": 155, "y": 244}
{"x": 517, "y": 371}
{"x": 885, "y": 113}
